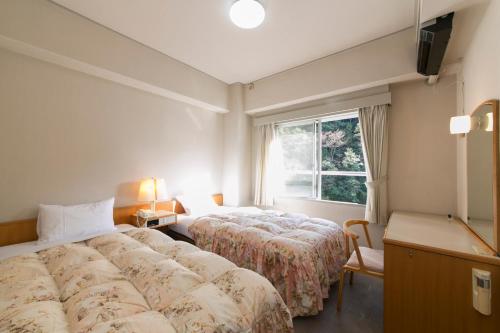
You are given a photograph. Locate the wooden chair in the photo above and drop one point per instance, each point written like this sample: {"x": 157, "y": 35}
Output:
{"x": 364, "y": 260}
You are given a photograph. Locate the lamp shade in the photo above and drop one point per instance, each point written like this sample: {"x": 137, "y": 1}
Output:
{"x": 152, "y": 189}
{"x": 147, "y": 190}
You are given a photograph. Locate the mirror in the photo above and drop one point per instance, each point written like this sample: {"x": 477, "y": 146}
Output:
{"x": 482, "y": 172}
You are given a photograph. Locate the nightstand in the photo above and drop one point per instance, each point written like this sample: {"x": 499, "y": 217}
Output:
{"x": 161, "y": 219}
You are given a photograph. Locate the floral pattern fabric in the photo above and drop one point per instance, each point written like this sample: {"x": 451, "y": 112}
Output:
{"x": 141, "y": 281}
{"x": 300, "y": 256}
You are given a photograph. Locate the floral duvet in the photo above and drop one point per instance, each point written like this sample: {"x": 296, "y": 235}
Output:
{"x": 140, "y": 281}
{"x": 301, "y": 256}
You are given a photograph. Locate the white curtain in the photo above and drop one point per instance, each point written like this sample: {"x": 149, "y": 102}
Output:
{"x": 374, "y": 132}
{"x": 268, "y": 175}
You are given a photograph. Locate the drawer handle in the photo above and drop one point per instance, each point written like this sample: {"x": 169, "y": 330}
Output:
{"x": 411, "y": 253}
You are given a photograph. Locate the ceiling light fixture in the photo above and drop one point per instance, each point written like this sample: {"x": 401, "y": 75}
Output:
{"x": 247, "y": 14}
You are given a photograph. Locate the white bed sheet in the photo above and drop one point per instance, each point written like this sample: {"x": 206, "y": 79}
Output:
{"x": 34, "y": 246}
{"x": 184, "y": 221}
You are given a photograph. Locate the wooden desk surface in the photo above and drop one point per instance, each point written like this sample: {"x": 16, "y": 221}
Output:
{"x": 435, "y": 232}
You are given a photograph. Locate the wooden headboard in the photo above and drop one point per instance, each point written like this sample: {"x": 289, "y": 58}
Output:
{"x": 21, "y": 231}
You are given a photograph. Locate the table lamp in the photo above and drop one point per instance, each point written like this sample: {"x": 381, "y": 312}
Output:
{"x": 152, "y": 190}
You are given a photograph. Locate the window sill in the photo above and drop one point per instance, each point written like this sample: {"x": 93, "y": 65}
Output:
{"x": 322, "y": 201}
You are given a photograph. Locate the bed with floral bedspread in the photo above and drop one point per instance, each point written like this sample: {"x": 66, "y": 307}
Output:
{"x": 301, "y": 256}
{"x": 140, "y": 281}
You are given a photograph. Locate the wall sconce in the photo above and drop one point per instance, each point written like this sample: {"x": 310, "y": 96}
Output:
{"x": 462, "y": 124}
{"x": 465, "y": 124}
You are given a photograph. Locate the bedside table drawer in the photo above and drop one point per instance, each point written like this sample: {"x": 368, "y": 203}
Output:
{"x": 159, "y": 219}
{"x": 167, "y": 220}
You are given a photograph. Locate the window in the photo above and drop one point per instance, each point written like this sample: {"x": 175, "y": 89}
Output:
{"x": 323, "y": 159}
{"x": 298, "y": 145}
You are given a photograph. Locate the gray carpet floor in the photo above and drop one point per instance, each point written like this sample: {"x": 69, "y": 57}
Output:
{"x": 362, "y": 309}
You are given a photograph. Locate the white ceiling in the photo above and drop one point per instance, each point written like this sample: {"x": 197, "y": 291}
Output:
{"x": 200, "y": 33}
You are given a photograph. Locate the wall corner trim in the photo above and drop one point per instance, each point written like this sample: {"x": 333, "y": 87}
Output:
{"x": 42, "y": 54}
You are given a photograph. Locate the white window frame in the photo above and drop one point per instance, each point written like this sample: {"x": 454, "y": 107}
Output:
{"x": 317, "y": 157}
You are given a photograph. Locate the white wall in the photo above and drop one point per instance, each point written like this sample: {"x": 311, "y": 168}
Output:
{"x": 53, "y": 31}
{"x": 382, "y": 61}
{"x": 237, "y": 185}
{"x": 422, "y": 153}
{"x": 66, "y": 137}
{"x": 481, "y": 63}
{"x": 481, "y": 81}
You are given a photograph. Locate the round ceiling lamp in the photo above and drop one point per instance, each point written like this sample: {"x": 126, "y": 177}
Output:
{"x": 247, "y": 14}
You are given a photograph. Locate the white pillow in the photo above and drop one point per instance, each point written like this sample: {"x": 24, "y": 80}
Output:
{"x": 57, "y": 222}
{"x": 196, "y": 204}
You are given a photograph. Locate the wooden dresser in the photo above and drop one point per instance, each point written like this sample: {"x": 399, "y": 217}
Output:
{"x": 428, "y": 263}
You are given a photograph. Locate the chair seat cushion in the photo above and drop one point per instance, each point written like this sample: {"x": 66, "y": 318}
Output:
{"x": 372, "y": 259}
